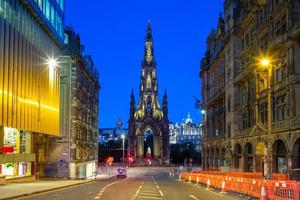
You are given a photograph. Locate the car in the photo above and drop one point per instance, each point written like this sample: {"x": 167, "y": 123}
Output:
{"x": 121, "y": 173}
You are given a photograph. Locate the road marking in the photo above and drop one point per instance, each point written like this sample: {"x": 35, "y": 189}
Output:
{"x": 151, "y": 194}
{"x": 149, "y": 189}
{"x": 105, "y": 187}
{"x": 193, "y": 197}
{"x": 161, "y": 194}
{"x": 147, "y": 197}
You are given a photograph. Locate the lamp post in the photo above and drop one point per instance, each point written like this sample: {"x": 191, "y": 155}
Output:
{"x": 266, "y": 64}
{"x": 123, "y": 139}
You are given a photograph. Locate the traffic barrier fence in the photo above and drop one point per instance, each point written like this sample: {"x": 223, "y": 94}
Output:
{"x": 274, "y": 189}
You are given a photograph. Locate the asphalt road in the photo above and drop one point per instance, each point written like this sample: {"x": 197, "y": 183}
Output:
{"x": 141, "y": 184}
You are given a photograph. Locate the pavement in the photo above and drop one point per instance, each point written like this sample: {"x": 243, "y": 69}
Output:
{"x": 18, "y": 190}
{"x": 141, "y": 184}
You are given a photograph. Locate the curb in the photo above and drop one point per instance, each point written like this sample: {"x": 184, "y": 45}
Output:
{"x": 53, "y": 189}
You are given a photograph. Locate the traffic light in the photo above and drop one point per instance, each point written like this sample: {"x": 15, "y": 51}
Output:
{"x": 130, "y": 159}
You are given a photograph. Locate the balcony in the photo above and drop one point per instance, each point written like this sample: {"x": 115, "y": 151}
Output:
{"x": 286, "y": 124}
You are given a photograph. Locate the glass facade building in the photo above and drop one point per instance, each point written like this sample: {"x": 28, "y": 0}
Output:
{"x": 30, "y": 37}
{"x": 52, "y": 14}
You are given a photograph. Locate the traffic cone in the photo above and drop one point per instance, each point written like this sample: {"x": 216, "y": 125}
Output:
{"x": 197, "y": 181}
{"x": 263, "y": 193}
{"x": 208, "y": 184}
{"x": 223, "y": 188}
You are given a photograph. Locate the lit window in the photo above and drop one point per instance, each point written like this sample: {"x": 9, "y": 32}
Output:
{"x": 47, "y": 9}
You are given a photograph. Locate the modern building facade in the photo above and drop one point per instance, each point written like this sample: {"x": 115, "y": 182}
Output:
{"x": 30, "y": 41}
{"x": 75, "y": 154}
{"x": 186, "y": 132}
{"x": 255, "y": 54}
{"x": 148, "y": 116}
{"x": 112, "y": 134}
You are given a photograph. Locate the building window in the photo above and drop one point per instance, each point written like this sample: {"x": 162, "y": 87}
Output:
{"x": 263, "y": 109}
{"x": 245, "y": 120}
{"x": 281, "y": 108}
{"x": 280, "y": 26}
{"x": 281, "y": 72}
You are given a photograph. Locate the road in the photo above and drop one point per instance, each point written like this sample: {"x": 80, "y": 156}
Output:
{"x": 141, "y": 184}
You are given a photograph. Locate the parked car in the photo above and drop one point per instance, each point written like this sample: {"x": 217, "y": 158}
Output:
{"x": 121, "y": 173}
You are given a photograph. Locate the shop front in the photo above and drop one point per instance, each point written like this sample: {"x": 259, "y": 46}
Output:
{"x": 82, "y": 170}
{"x": 16, "y": 157}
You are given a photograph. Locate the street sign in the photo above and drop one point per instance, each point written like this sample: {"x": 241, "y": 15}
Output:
{"x": 7, "y": 149}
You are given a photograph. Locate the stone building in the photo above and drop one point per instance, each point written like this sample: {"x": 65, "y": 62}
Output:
{"x": 75, "y": 154}
{"x": 31, "y": 40}
{"x": 186, "y": 132}
{"x": 149, "y": 116}
{"x": 251, "y": 121}
{"x": 112, "y": 134}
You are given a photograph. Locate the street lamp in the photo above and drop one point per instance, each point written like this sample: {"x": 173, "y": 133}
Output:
{"x": 123, "y": 139}
{"x": 266, "y": 64}
{"x": 52, "y": 63}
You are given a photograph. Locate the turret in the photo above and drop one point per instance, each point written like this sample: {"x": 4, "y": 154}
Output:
{"x": 132, "y": 105}
{"x": 165, "y": 105}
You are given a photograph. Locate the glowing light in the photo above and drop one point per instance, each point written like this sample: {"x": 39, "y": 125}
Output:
{"x": 52, "y": 63}
{"x": 123, "y": 136}
{"x": 203, "y": 112}
{"x": 31, "y": 102}
{"x": 265, "y": 62}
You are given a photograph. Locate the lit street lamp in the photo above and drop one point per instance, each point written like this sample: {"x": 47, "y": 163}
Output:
{"x": 123, "y": 139}
{"x": 265, "y": 64}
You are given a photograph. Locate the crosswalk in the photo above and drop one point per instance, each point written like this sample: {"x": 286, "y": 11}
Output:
{"x": 149, "y": 190}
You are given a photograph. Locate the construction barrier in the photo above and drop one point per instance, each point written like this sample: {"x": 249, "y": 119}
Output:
{"x": 255, "y": 187}
{"x": 254, "y": 175}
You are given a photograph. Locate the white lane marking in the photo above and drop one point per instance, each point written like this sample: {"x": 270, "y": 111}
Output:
{"x": 193, "y": 197}
{"x": 146, "y": 197}
{"x": 150, "y": 194}
{"x": 138, "y": 191}
{"x": 105, "y": 187}
{"x": 161, "y": 194}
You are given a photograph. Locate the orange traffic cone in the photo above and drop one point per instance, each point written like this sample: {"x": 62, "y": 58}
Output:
{"x": 197, "y": 181}
{"x": 263, "y": 193}
{"x": 208, "y": 184}
{"x": 223, "y": 188}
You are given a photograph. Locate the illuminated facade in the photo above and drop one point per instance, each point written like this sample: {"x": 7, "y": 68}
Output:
{"x": 255, "y": 29}
{"x": 29, "y": 84}
{"x": 112, "y": 134}
{"x": 186, "y": 132}
{"x": 149, "y": 116}
{"x": 75, "y": 154}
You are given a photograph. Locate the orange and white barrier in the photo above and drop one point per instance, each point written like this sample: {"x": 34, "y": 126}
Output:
{"x": 259, "y": 188}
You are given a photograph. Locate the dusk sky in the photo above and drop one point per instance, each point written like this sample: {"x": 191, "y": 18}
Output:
{"x": 113, "y": 33}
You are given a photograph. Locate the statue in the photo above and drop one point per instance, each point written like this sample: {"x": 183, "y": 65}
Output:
{"x": 148, "y": 152}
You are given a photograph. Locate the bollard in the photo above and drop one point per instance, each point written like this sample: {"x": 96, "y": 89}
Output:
{"x": 190, "y": 178}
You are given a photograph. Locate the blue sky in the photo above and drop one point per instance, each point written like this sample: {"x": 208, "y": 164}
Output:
{"x": 113, "y": 32}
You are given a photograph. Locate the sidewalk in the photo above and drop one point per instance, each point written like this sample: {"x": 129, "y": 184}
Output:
{"x": 14, "y": 190}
